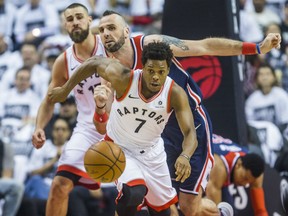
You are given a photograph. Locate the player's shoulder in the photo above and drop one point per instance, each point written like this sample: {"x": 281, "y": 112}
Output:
{"x": 60, "y": 60}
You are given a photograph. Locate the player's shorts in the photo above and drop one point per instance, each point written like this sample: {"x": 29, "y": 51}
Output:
{"x": 148, "y": 167}
{"x": 201, "y": 161}
{"x": 72, "y": 157}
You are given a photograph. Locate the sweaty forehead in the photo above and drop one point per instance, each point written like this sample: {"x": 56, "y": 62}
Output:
{"x": 156, "y": 63}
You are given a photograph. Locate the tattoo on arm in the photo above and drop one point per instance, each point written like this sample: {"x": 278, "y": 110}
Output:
{"x": 175, "y": 41}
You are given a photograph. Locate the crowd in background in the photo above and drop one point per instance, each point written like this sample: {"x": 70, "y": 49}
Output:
{"x": 32, "y": 35}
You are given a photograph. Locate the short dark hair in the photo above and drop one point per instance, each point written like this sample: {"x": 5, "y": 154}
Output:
{"x": 265, "y": 65}
{"x": 24, "y": 68}
{"x": 254, "y": 163}
{"x": 110, "y": 12}
{"x": 74, "y": 5}
{"x": 157, "y": 51}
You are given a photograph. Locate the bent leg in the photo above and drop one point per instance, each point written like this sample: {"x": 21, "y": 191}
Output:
{"x": 131, "y": 198}
{"x": 57, "y": 203}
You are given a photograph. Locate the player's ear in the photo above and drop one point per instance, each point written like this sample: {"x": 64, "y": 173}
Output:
{"x": 127, "y": 32}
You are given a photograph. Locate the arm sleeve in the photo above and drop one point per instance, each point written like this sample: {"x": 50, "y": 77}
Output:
{"x": 258, "y": 201}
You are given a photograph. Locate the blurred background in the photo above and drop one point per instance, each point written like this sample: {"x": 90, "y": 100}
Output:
{"x": 32, "y": 35}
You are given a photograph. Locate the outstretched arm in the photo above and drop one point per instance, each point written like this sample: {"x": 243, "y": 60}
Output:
{"x": 216, "y": 46}
{"x": 109, "y": 69}
{"x": 180, "y": 104}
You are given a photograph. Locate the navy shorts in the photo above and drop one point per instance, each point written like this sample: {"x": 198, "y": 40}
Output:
{"x": 173, "y": 138}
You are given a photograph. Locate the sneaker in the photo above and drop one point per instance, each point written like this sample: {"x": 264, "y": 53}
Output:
{"x": 225, "y": 209}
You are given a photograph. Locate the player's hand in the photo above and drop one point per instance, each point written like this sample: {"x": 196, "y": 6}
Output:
{"x": 57, "y": 94}
{"x": 38, "y": 138}
{"x": 183, "y": 168}
{"x": 101, "y": 94}
{"x": 271, "y": 41}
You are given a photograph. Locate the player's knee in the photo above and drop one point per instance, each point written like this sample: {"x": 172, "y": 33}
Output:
{"x": 132, "y": 195}
{"x": 61, "y": 186}
{"x": 187, "y": 207}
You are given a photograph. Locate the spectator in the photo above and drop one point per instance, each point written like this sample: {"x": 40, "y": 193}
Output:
{"x": 11, "y": 191}
{"x": 8, "y": 60}
{"x": 18, "y": 3}
{"x": 263, "y": 15}
{"x": 39, "y": 75}
{"x": 143, "y": 16}
{"x": 276, "y": 58}
{"x": 18, "y": 109}
{"x": 267, "y": 140}
{"x": 35, "y": 21}
{"x": 67, "y": 111}
{"x": 42, "y": 165}
{"x": 49, "y": 56}
{"x": 269, "y": 102}
{"x": 284, "y": 25}
{"x": 250, "y": 30}
{"x": 61, "y": 5}
{"x": 7, "y": 19}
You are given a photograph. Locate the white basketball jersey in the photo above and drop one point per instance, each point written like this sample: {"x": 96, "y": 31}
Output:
{"x": 137, "y": 122}
{"x": 83, "y": 91}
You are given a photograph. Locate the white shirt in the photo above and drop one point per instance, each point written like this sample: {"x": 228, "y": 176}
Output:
{"x": 272, "y": 107}
{"x": 136, "y": 122}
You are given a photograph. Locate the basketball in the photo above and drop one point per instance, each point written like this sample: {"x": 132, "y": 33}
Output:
{"x": 104, "y": 161}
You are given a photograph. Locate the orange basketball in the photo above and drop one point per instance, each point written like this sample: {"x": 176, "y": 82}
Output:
{"x": 104, "y": 161}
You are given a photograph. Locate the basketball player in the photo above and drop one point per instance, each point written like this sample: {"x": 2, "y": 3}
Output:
{"x": 234, "y": 165}
{"x": 144, "y": 100}
{"x": 71, "y": 169}
{"x": 114, "y": 33}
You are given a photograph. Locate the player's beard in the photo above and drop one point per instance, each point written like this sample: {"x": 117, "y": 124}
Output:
{"x": 77, "y": 37}
{"x": 117, "y": 45}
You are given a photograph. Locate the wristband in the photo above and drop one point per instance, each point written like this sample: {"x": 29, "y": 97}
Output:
{"x": 100, "y": 118}
{"x": 185, "y": 156}
{"x": 249, "y": 48}
{"x": 101, "y": 106}
{"x": 258, "y": 49}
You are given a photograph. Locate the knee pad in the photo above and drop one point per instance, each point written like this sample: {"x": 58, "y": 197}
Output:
{"x": 132, "y": 195}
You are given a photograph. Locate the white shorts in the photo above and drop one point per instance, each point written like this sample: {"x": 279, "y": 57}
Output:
{"x": 72, "y": 157}
{"x": 149, "y": 168}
